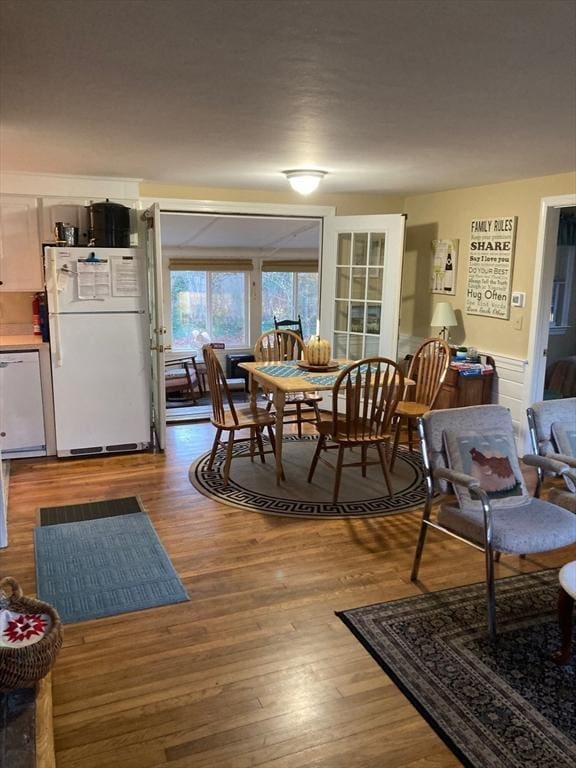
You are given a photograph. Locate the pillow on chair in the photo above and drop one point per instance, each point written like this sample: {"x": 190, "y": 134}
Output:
{"x": 493, "y": 461}
{"x": 564, "y": 434}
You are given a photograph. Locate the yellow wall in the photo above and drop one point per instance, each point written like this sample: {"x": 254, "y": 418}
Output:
{"x": 448, "y": 215}
{"x": 346, "y": 205}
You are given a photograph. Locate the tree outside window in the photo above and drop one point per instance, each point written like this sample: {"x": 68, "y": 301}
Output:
{"x": 287, "y": 295}
{"x": 208, "y": 306}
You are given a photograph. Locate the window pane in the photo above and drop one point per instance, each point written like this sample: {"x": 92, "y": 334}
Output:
{"x": 373, "y": 318}
{"x": 189, "y": 308}
{"x": 340, "y": 345}
{"x": 377, "y": 243}
{"x": 228, "y": 308}
{"x": 375, "y": 284}
{"x": 307, "y": 302}
{"x": 277, "y": 298}
{"x": 344, "y": 248}
{"x": 358, "y": 283}
{"x": 357, "y": 318}
{"x": 360, "y": 248}
{"x": 342, "y": 282}
{"x": 341, "y": 316}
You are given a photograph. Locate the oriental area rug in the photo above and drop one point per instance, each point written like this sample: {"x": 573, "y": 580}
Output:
{"x": 504, "y": 704}
{"x": 252, "y": 485}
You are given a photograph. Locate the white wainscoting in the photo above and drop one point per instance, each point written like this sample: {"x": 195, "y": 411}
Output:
{"x": 508, "y": 390}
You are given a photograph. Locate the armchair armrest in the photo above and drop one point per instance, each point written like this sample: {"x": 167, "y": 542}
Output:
{"x": 570, "y": 479}
{"x": 456, "y": 478}
{"x": 549, "y": 463}
{"x": 564, "y": 458}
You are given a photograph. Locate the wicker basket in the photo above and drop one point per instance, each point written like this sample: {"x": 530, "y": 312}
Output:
{"x": 23, "y": 667}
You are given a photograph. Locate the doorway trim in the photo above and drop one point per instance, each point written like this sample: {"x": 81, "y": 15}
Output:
{"x": 542, "y": 293}
{"x": 176, "y": 204}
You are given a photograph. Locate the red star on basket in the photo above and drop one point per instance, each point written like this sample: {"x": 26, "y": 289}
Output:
{"x": 27, "y": 625}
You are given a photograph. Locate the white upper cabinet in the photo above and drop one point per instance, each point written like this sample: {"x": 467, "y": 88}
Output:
{"x": 68, "y": 210}
{"x": 20, "y": 248}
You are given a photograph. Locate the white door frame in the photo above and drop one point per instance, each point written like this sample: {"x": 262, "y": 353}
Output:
{"x": 542, "y": 294}
{"x": 225, "y": 207}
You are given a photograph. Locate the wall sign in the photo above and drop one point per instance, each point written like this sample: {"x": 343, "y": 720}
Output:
{"x": 490, "y": 267}
{"x": 444, "y": 262}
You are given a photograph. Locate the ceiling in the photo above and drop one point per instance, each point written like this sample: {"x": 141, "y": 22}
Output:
{"x": 388, "y": 96}
{"x": 266, "y": 235}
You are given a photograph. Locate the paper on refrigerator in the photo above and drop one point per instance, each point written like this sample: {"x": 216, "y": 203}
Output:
{"x": 93, "y": 279}
{"x": 125, "y": 277}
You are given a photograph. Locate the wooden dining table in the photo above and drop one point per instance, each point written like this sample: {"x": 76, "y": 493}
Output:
{"x": 284, "y": 377}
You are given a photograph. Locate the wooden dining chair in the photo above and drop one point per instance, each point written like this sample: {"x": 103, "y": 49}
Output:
{"x": 182, "y": 380}
{"x": 428, "y": 368}
{"x": 229, "y": 417}
{"x": 289, "y": 325}
{"x": 364, "y": 400}
{"x": 274, "y": 346}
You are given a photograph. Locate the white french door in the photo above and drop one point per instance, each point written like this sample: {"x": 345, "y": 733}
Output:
{"x": 361, "y": 284}
{"x": 157, "y": 323}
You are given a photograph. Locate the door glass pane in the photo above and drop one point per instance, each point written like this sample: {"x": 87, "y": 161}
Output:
{"x": 342, "y": 282}
{"x": 360, "y": 248}
{"x": 377, "y": 242}
{"x": 357, "y": 318}
{"x": 341, "y": 316}
{"x": 374, "y": 285}
{"x": 372, "y": 346}
{"x": 340, "y": 345}
{"x": 359, "y": 283}
{"x": 356, "y": 347}
{"x": 344, "y": 248}
{"x": 373, "y": 318}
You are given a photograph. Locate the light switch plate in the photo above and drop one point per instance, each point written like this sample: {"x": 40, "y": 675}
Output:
{"x": 518, "y": 299}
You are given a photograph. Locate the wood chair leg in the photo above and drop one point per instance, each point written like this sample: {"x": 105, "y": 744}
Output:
{"x": 316, "y": 411}
{"x": 384, "y": 468}
{"x": 260, "y": 445}
{"x": 215, "y": 445}
{"x": 228, "y": 456}
{"x": 396, "y": 441}
{"x": 364, "y": 450}
{"x": 252, "y": 442}
{"x": 299, "y": 419}
{"x": 319, "y": 447}
{"x": 410, "y": 434}
{"x": 338, "y": 474}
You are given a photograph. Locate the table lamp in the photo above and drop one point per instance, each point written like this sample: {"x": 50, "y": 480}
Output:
{"x": 444, "y": 318}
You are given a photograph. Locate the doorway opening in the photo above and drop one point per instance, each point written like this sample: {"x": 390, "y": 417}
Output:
{"x": 560, "y": 375}
{"x": 225, "y": 279}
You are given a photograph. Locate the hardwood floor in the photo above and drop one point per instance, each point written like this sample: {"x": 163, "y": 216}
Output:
{"x": 255, "y": 670}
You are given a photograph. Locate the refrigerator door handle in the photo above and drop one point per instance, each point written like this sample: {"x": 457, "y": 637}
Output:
{"x": 56, "y": 341}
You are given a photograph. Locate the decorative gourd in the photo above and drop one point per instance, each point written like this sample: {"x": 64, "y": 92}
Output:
{"x": 318, "y": 351}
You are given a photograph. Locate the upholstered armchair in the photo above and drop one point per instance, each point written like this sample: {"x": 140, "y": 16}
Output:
{"x": 472, "y": 451}
{"x": 552, "y": 425}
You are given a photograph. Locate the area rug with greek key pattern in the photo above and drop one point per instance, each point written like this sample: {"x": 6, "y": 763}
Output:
{"x": 252, "y": 485}
{"x": 502, "y": 705}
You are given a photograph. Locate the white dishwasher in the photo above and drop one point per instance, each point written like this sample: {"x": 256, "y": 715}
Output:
{"x": 21, "y": 414}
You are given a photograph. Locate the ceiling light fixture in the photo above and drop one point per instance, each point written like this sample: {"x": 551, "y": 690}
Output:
{"x": 304, "y": 181}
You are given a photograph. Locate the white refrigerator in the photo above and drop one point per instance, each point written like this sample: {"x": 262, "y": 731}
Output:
{"x": 99, "y": 349}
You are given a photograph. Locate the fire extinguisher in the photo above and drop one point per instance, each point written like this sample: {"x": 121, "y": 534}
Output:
{"x": 36, "y": 315}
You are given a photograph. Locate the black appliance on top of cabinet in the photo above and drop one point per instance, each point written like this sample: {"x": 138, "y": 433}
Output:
{"x": 109, "y": 225}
